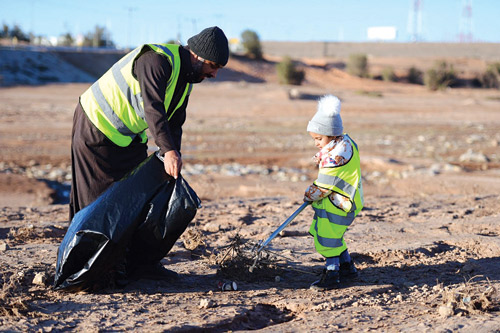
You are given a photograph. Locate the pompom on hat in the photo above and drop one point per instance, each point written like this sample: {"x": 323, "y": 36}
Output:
{"x": 211, "y": 44}
{"x": 327, "y": 120}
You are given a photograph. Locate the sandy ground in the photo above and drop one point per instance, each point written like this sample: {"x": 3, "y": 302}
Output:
{"x": 426, "y": 244}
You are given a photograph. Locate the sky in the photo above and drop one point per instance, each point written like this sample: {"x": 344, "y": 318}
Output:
{"x": 131, "y": 23}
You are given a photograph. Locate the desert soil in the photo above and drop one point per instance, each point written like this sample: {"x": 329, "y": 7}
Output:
{"x": 426, "y": 244}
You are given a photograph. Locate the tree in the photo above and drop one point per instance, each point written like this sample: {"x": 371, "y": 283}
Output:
{"x": 67, "y": 40}
{"x": 5, "y": 31}
{"x": 251, "y": 43}
{"x": 18, "y": 33}
{"x": 100, "y": 37}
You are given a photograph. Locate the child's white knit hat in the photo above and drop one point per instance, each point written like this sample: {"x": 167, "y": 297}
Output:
{"x": 327, "y": 119}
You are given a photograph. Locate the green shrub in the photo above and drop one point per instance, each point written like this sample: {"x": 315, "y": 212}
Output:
{"x": 389, "y": 75}
{"x": 288, "y": 72}
{"x": 489, "y": 79}
{"x": 441, "y": 76}
{"x": 251, "y": 43}
{"x": 494, "y": 67}
{"x": 357, "y": 65}
{"x": 369, "y": 93}
{"x": 415, "y": 75}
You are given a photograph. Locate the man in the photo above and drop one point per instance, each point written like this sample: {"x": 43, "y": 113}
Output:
{"x": 148, "y": 88}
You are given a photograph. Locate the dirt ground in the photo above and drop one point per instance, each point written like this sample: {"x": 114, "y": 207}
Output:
{"x": 426, "y": 244}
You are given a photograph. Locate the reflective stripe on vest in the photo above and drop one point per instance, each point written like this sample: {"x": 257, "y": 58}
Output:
{"x": 334, "y": 218}
{"x": 327, "y": 242}
{"x": 337, "y": 182}
{"x": 114, "y": 103}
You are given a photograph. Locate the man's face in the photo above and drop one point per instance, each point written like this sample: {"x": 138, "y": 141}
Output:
{"x": 204, "y": 69}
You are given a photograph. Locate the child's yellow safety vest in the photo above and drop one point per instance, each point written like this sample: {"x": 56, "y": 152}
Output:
{"x": 329, "y": 222}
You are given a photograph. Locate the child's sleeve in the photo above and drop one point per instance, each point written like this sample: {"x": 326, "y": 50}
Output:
{"x": 315, "y": 193}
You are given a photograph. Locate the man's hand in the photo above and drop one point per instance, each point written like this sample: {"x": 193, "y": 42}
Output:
{"x": 172, "y": 162}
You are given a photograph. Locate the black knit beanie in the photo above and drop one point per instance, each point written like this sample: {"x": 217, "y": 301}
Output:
{"x": 211, "y": 44}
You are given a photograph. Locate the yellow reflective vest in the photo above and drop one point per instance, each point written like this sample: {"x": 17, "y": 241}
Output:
{"x": 329, "y": 222}
{"x": 114, "y": 103}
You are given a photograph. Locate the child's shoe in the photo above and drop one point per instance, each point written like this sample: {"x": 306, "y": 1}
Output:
{"x": 348, "y": 270}
{"x": 330, "y": 279}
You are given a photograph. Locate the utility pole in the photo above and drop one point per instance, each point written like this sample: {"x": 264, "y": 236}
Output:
{"x": 129, "y": 25}
{"x": 195, "y": 29}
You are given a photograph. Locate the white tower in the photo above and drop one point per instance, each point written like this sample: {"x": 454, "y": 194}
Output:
{"x": 415, "y": 20}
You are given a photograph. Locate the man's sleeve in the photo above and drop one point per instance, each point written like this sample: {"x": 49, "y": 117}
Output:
{"x": 153, "y": 71}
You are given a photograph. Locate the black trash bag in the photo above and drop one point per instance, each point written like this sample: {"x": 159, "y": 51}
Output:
{"x": 98, "y": 235}
{"x": 169, "y": 214}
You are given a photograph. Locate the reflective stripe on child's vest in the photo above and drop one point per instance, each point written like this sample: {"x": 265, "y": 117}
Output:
{"x": 329, "y": 222}
{"x": 114, "y": 103}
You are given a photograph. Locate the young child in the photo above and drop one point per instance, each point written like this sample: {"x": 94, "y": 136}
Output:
{"x": 337, "y": 193}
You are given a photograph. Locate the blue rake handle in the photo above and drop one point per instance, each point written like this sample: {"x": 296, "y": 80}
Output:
{"x": 282, "y": 226}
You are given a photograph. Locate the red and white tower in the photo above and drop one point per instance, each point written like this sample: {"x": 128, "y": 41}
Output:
{"x": 465, "y": 32}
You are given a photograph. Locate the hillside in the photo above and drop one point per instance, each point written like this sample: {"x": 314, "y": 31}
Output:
{"x": 33, "y": 66}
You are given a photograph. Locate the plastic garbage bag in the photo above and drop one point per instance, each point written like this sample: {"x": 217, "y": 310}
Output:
{"x": 99, "y": 235}
{"x": 164, "y": 223}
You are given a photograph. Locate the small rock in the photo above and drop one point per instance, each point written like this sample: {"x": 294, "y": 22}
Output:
{"x": 211, "y": 227}
{"x": 206, "y": 303}
{"x": 445, "y": 311}
{"x": 294, "y": 94}
{"x": 3, "y": 247}
{"x": 470, "y": 156}
{"x": 277, "y": 278}
{"x": 40, "y": 279}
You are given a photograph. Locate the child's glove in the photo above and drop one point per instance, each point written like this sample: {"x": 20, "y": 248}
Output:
{"x": 315, "y": 193}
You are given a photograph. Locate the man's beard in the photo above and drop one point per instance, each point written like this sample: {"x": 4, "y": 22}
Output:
{"x": 198, "y": 75}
